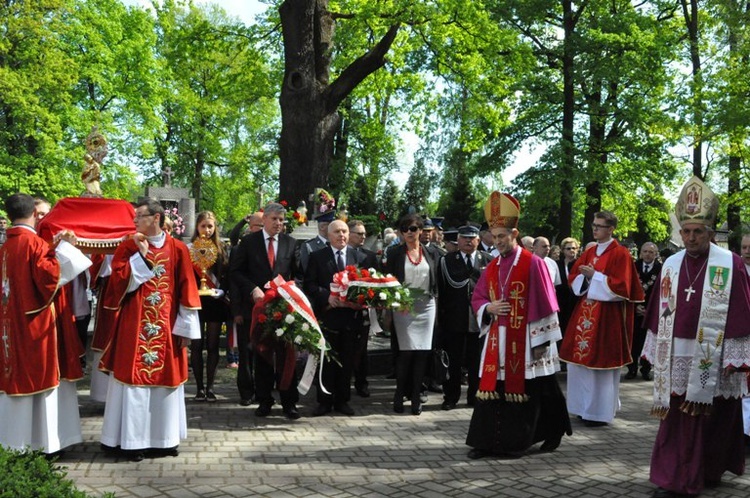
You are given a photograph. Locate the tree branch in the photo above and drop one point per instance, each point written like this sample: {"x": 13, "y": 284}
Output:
{"x": 360, "y": 69}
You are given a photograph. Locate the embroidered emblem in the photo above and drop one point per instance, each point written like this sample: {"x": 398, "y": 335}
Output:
{"x": 717, "y": 276}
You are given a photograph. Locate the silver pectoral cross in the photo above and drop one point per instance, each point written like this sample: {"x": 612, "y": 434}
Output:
{"x": 688, "y": 293}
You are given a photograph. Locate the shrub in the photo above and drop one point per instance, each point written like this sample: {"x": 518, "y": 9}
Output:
{"x": 30, "y": 474}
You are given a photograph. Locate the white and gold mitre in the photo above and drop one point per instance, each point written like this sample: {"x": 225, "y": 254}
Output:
{"x": 697, "y": 204}
{"x": 502, "y": 211}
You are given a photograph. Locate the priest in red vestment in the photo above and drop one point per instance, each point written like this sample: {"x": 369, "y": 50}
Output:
{"x": 699, "y": 344}
{"x": 153, "y": 290}
{"x": 519, "y": 401}
{"x": 38, "y": 398}
{"x": 598, "y": 340}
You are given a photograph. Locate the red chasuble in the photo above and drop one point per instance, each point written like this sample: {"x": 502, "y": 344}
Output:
{"x": 29, "y": 273}
{"x": 600, "y": 333}
{"x": 143, "y": 351}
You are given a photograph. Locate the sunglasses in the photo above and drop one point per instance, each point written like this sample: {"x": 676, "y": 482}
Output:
{"x": 412, "y": 228}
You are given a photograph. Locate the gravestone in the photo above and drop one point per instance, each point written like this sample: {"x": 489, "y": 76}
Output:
{"x": 175, "y": 197}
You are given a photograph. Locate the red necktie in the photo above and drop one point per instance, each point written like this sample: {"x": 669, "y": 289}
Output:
{"x": 271, "y": 254}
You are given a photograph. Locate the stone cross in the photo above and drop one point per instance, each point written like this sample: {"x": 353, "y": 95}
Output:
{"x": 167, "y": 174}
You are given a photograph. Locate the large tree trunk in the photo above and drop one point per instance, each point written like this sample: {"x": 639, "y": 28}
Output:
{"x": 567, "y": 164}
{"x": 597, "y": 158}
{"x": 309, "y": 117}
{"x": 690, "y": 13}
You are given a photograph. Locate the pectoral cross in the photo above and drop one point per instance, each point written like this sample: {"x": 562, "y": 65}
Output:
{"x": 689, "y": 292}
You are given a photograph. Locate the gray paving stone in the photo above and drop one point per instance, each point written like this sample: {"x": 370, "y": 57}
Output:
{"x": 374, "y": 453}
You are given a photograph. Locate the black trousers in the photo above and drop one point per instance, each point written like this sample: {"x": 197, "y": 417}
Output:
{"x": 639, "y": 338}
{"x": 245, "y": 382}
{"x": 410, "y": 370}
{"x": 361, "y": 364}
{"x": 464, "y": 349}
{"x": 337, "y": 378}
{"x": 266, "y": 377}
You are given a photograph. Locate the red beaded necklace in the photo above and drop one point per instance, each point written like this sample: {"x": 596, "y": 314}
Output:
{"x": 417, "y": 262}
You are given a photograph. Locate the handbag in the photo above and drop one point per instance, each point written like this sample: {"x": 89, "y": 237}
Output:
{"x": 440, "y": 363}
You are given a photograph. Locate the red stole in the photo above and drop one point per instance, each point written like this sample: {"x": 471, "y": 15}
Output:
{"x": 515, "y": 331}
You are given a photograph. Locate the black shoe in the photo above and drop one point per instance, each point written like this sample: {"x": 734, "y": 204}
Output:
{"x": 477, "y": 453}
{"x": 246, "y": 402}
{"x": 55, "y": 455}
{"x": 712, "y": 483}
{"x": 416, "y": 410}
{"x": 135, "y": 455}
{"x": 363, "y": 391}
{"x": 210, "y": 396}
{"x": 593, "y": 423}
{"x": 321, "y": 410}
{"x": 263, "y": 410}
{"x": 448, "y": 406}
{"x": 344, "y": 408}
{"x": 550, "y": 445}
{"x": 291, "y": 413}
{"x": 200, "y": 395}
{"x": 647, "y": 375}
{"x": 631, "y": 374}
{"x": 664, "y": 493}
{"x": 163, "y": 452}
{"x": 110, "y": 450}
{"x": 398, "y": 407}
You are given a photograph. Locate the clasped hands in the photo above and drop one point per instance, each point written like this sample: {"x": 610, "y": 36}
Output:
{"x": 587, "y": 271}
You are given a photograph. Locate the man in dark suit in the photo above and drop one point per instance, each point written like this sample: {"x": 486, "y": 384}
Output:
{"x": 459, "y": 332}
{"x": 357, "y": 237}
{"x": 259, "y": 258}
{"x": 649, "y": 269}
{"x": 340, "y": 320}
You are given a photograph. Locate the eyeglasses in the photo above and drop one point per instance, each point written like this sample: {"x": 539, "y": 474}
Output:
{"x": 594, "y": 226}
{"x": 139, "y": 216}
{"x": 412, "y": 229}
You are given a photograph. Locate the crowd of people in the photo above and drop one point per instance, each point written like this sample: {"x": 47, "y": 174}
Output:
{"x": 509, "y": 312}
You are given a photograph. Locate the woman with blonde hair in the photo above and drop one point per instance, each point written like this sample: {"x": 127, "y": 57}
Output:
{"x": 214, "y": 312}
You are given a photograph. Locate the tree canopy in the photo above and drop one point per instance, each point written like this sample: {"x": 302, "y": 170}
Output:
{"x": 626, "y": 100}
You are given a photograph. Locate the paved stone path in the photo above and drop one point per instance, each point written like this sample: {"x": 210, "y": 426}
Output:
{"x": 230, "y": 452}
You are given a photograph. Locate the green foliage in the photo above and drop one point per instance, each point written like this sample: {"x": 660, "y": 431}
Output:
{"x": 387, "y": 202}
{"x": 29, "y": 474}
{"x": 417, "y": 190}
{"x": 458, "y": 201}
